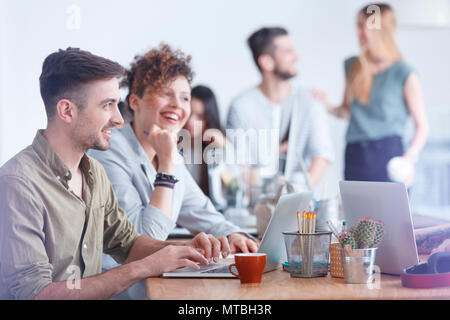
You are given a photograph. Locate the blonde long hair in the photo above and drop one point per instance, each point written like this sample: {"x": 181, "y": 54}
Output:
{"x": 381, "y": 45}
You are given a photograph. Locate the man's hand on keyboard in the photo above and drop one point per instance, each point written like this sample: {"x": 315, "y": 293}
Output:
{"x": 211, "y": 246}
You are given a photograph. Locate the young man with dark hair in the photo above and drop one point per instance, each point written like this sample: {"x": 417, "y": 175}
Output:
{"x": 262, "y": 42}
{"x": 58, "y": 211}
{"x": 275, "y": 103}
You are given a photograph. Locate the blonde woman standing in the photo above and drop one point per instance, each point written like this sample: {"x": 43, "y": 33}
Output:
{"x": 381, "y": 92}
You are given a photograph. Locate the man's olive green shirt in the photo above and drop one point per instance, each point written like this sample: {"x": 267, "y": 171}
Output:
{"x": 47, "y": 233}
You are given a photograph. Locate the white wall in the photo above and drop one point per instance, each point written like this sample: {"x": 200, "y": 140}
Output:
{"x": 215, "y": 33}
{"x": 3, "y": 41}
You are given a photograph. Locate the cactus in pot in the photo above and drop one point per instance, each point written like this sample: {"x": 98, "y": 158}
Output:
{"x": 346, "y": 238}
{"x": 367, "y": 233}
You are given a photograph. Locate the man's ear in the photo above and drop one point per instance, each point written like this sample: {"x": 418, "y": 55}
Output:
{"x": 266, "y": 62}
{"x": 134, "y": 102}
{"x": 66, "y": 110}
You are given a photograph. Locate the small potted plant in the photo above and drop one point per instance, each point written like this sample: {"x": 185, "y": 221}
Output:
{"x": 234, "y": 193}
{"x": 359, "y": 245}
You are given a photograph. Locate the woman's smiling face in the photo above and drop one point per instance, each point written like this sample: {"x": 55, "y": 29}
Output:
{"x": 169, "y": 108}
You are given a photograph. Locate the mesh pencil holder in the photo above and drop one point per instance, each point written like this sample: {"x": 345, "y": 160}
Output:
{"x": 336, "y": 268}
{"x": 308, "y": 253}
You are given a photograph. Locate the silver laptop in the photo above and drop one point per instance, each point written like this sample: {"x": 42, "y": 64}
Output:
{"x": 283, "y": 219}
{"x": 387, "y": 202}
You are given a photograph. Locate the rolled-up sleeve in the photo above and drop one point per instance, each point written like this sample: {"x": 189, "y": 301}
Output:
{"x": 198, "y": 214}
{"x": 146, "y": 219}
{"x": 24, "y": 264}
{"x": 319, "y": 142}
{"x": 234, "y": 121}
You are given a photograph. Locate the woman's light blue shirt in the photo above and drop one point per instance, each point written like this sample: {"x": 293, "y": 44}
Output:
{"x": 132, "y": 175}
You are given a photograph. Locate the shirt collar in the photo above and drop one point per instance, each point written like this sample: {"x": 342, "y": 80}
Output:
{"x": 129, "y": 134}
{"x": 49, "y": 157}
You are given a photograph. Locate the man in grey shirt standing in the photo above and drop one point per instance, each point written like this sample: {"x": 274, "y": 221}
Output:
{"x": 274, "y": 104}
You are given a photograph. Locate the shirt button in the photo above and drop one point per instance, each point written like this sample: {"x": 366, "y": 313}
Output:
{"x": 85, "y": 246}
{"x": 58, "y": 177}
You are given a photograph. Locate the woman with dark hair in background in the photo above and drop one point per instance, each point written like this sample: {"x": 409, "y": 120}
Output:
{"x": 204, "y": 124}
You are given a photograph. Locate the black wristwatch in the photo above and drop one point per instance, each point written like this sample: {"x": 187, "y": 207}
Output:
{"x": 165, "y": 180}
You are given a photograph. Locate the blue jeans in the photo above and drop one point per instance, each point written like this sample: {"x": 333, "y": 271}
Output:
{"x": 367, "y": 160}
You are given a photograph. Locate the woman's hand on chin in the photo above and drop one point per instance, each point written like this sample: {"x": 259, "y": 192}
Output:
{"x": 164, "y": 143}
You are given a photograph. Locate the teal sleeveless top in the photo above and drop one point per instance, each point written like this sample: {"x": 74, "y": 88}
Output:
{"x": 387, "y": 112}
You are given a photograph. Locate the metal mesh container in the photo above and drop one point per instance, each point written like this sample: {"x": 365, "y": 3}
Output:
{"x": 308, "y": 253}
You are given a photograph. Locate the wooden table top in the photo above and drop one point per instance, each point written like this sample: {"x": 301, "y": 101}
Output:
{"x": 278, "y": 285}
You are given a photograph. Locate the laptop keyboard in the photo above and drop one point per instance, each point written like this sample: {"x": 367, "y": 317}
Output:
{"x": 223, "y": 269}
{"x": 214, "y": 268}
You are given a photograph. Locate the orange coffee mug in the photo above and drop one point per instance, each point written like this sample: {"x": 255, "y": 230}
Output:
{"x": 250, "y": 266}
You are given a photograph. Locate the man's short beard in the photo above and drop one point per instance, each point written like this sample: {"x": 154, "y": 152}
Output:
{"x": 98, "y": 146}
{"x": 91, "y": 141}
{"x": 95, "y": 142}
{"x": 283, "y": 75}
